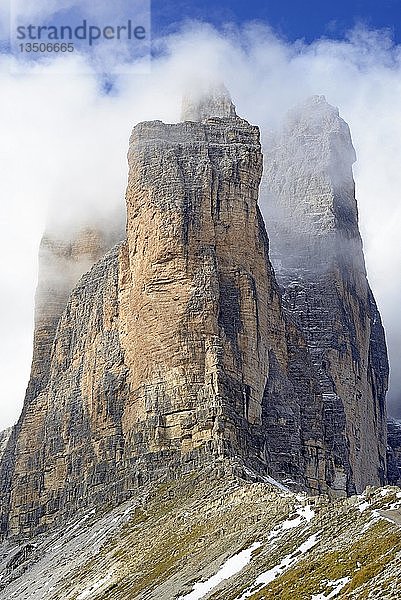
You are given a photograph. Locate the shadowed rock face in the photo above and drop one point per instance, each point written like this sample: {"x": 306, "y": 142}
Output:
{"x": 173, "y": 351}
{"x": 317, "y": 254}
{"x": 4, "y": 437}
{"x": 62, "y": 261}
{"x": 394, "y": 452}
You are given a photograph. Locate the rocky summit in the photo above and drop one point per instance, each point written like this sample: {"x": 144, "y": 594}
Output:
{"x": 316, "y": 250}
{"x": 187, "y": 393}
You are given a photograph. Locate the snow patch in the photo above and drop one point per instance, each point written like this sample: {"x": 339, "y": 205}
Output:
{"x": 81, "y": 522}
{"x": 304, "y": 513}
{"x": 128, "y": 510}
{"x": 267, "y": 479}
{"x": 277, "y": 484}
{"x": 291, "y": 523}
{"x": 337, "y": 584}
{"x": 392, "y": 506}
{"x": 231, "y": 567}
{"x": 369, "y": 524}
{"x": 287, "y": 562}
{"x": 362, "y": 507}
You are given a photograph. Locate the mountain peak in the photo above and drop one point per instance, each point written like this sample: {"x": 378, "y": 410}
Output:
{"x": 205, "y": 102}
{"x": 177, "y": 350}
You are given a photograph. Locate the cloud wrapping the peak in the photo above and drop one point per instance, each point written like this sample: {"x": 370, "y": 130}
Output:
{"x": 63, "y": 148}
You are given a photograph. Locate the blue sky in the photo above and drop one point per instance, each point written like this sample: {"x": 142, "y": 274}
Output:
{"x": 307, "y": 20}
{"x": 293, "y": 19}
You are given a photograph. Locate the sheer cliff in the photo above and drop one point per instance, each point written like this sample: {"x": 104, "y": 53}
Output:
{"x": 394, "y": 452}
{"x": 176, "y": 349}
{"x": 316, "y": 250}
{"x": 63, "y": 259}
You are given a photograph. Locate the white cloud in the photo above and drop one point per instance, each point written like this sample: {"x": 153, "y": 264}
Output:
{"x": 63, "y": 144}
{"x": 35, "y": 10}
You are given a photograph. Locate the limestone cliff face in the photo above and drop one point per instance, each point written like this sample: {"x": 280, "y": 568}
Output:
{"x": 197, "y": 335}
{"x": 394, "y": 452}
{"x": 204, "y": 337}
{"x": 316, "y": 251}
{"x": 62, "y": 261}
{"x": 4, "y": 437}
{"x": 173, "y": 350}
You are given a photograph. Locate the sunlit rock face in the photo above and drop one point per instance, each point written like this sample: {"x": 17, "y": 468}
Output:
{"x": 197, "y": 300}
{"x": 213, "y": 365}
{"x": 316, "y": 249}
{"x": 174, "y": 351}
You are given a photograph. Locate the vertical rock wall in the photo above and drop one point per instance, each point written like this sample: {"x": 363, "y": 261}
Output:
{"x": 394, "y": 452}
{"x": 316, "y": 249}
{"x": 62, "y": 261}
{"x": 198, "y": 330}
{"x": 175, "y": 349}
{"x": 63, "y": 258}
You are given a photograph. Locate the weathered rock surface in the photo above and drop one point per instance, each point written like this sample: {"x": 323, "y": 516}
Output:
{"x": 173, "y": 351}
{"x": 213, "y": 101}
{"x": 62, "y": 261}
{"x": 394, "y": 452}
{"x": 211, "y": 360}
{"x": 4, "y": 437}
{"x": 316, "y": 250}
{"x": 219, "y": 538}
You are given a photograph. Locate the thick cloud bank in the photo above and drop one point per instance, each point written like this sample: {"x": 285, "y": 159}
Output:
{"x": 63, "y": 144}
